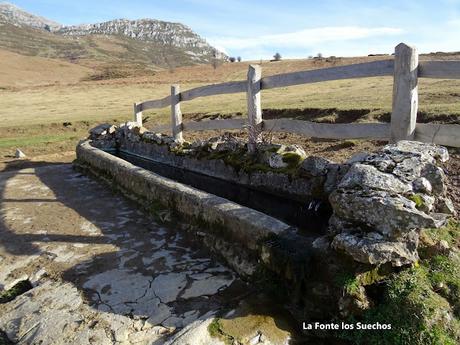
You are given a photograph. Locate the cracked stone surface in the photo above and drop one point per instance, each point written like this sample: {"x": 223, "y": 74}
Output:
{"x": 103, "y": 271}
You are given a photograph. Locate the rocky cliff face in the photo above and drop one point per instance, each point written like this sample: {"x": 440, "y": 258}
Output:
{"x": 175, "y": 41}
{"x": 14, "y": 15}
{"x": 164, "y": 33}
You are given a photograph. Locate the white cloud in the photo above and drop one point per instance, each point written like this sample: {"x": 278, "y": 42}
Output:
{"x": 304, "y": 38}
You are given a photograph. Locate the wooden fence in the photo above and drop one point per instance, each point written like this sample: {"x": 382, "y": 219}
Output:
{"x": 405, "y": 69}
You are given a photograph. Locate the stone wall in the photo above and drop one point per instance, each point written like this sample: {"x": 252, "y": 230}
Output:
{"x": 380, "y": 200}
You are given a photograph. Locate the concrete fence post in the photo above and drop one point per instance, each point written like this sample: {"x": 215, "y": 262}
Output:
{"x": 405, "y": 94}
{"x": 176, "y": 114}
{"x": 254, "y": 106}
{"x": 137, "y": 115}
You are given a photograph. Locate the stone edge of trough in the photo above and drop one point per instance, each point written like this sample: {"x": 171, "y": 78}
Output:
{"x": 223, "y": 218}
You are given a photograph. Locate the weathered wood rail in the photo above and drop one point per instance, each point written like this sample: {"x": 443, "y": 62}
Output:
{"x": 405, "y": 69}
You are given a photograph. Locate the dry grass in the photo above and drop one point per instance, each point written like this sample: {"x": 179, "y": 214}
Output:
{"x": 109, "y": 100}
{"x": 19, "y": 71}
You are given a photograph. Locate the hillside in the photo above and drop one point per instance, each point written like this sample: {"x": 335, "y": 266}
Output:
{"x": 18, "y": 17}
{"x": 114, "y": 49}
{"x": 23, "y": 71}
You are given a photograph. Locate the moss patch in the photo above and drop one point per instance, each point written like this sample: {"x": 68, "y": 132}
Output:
{"x": 215, "y": 330}
{"x": 417, "y": 199}
{"x": 246, "y": 322}
{"x": 9, "y": 295}
{"x": 292, "y": 159}
{"x": 422, "y": 303}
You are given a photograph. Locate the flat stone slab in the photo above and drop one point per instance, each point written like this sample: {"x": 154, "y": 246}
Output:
{"x": 104, "y": 272}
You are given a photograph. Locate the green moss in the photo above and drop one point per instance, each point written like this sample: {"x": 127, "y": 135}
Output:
{"x": 422, "y": 303}
{"x": 374, "y": 275}
{"x": 414, "y": 310}
{"x": 292, "y": 159}
{"x": 348, "y": 282}
{"x": 215, "y": 330}
{"x": 417, "y": 199}
{"x": 9, "y": 295}
{"x": 449, "y": 233}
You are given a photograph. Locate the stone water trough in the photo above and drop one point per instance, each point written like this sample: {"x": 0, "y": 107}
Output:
{"x": 366, "y": 212}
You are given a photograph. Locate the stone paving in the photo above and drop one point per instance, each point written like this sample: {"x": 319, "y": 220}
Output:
{"x": 104, "y": 272}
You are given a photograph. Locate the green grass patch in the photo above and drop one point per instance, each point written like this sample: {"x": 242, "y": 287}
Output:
{"x": 34, "y": 140}
{"x": 422, "y": 303}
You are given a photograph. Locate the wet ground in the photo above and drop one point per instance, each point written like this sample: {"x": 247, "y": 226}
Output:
{"x": 104, "y": 272}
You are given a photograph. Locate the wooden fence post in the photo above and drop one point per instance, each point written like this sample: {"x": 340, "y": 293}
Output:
{"x": 405, "y": 94}
{"x": 176, "y": 115}
{"x": 254, "y": 107}
{"x": 137, "y": 115}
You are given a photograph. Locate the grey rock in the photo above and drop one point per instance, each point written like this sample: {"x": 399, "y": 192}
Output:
{"x": 153, "y": 137}
{"x": 334, "y": 175}
{"x": 367, "y": 177}
{"x": 437, "y": 178}
{"x": 382, "y": 161}
{"x": 322, "y": 243}
{"x": 428, "y": 203}
{"x": 315, "y": 166}
{"x": 371, "y": 249}
{"x": 295, "y": 149}
{"x": 100, "y": 129}
{"x": 276, "y": 161}
{"x": 388, "y": 214}
{"x": 425, "y": 151}
{"x": 422, "y": 185}
{"x": 19, "y": 154}
{"x": 445, "y": 205}
{"x": 357, "y": 157}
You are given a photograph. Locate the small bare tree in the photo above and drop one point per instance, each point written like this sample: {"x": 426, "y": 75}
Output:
{"x": 238, "y": 58}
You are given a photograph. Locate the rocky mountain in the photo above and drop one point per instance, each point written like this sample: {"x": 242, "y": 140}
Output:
{"x": 127, "y": 45}
{"x": 160, "y": 32}
{"x": 16, "y": 16}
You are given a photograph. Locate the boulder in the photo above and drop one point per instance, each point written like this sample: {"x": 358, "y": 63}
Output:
{"x": 385, "y": 198}
{"x": 372, "y": 248}
{"x": 368, "y": 177}
{"x": 428, "y": 152}
{"x": 314, "y": 166}
{"x": 284, "y": 156}
{"x": 100, "y": 129}
{"x": 387, "y": 213}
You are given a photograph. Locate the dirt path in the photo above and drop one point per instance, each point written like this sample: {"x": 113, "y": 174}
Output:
{"x": 104, "y": 271}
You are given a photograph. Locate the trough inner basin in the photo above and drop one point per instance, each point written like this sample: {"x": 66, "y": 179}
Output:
{"x": 310, "y": 217}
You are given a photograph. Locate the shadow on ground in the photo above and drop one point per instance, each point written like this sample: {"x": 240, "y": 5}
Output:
{"x": 143, "y": 278}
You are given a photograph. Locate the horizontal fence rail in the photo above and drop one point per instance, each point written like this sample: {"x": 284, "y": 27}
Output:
{"x": 378, "y": 131}
{"x": 405, "y": 69}
{"x": 439, "y": 69}
{"x": 361, "y": 70}
{"x": 211, "y": 90}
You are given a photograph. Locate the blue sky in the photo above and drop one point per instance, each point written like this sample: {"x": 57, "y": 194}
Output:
{"x": 258, "y": 29}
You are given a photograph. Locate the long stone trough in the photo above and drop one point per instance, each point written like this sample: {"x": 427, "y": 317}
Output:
{"x": 358, "y": 216}
{"x": 226, "y": 220}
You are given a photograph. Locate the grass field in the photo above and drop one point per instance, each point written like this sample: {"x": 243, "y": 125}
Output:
{"x": 27, "y": 111}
